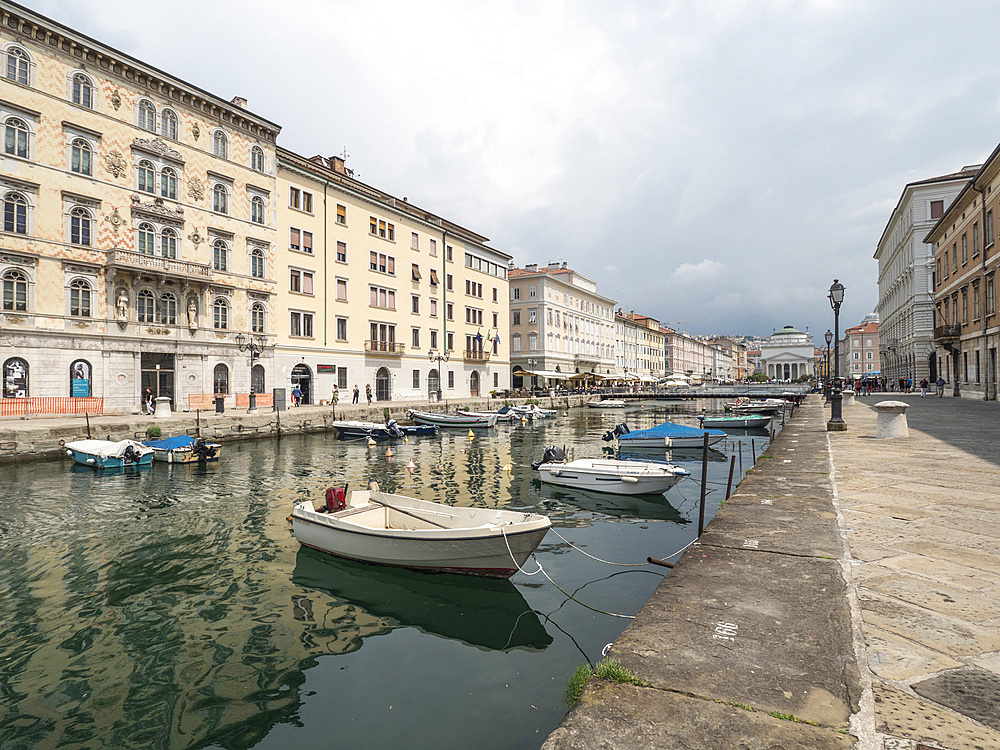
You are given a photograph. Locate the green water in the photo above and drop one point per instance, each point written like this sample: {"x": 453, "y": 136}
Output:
{"x": 173, "y": 607}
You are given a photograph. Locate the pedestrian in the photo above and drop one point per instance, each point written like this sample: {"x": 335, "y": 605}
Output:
{"x": 334, "y": 398}
{"x": 368, "y": 392}
{"x": 923, "y": 388}
{"x": 149, "y": 400}
{"x": 940, "y": 386}
{"x": 296, "y": 396}
{"x": 356, "y": 394}
{"x": 909, "y": 385}
{"x": 902, "y": 385}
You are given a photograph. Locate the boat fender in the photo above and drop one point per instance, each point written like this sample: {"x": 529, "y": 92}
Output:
{"x": 630, "y": 480}
{"x": 69, "y": 452}
{"x": 335, "y": 499}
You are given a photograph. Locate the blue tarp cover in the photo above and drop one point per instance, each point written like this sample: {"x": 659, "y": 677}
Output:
{"x": 671, "y": 430}
{"x": 179, "y": 441}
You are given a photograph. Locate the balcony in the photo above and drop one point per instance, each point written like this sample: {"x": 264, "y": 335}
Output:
{"x": 943, "y": 334}
{"x": 384, "y": 348}
{"x": 474, "y": 355}
{"x": 128, "y": 259}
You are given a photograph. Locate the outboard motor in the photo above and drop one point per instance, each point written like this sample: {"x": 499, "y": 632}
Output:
{"x": 621, "y": 429}
{"x": 392, "y": 427}
{"x": 552, "y": 455}
{"x": 336, "y": 499}
{"x": 202, "y": 450}
{"x": 130, "y": 455}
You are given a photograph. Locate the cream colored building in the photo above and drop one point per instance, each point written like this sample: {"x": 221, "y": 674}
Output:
{"x": 788, "y": 354}
{"x": 559, "y": 324}
{"x": 373, "y": 290}
{"x": 639, "y": 347}
{"x": 138, "y": 225}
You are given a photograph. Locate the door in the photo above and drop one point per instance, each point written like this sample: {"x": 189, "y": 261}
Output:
{"x": 157, "y": 374}
{"x": 474, "y": 384}
{"x": 382, "y": 383}
{"x": 433, "y": 384}
{"x": 302, "y": 378}
{"x": 257, "y": 379}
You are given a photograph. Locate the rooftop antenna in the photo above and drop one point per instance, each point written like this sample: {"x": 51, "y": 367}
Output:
{"x": 344, "y": 154}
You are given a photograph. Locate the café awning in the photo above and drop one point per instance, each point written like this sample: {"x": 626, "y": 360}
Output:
{"x": 553, "y": 374}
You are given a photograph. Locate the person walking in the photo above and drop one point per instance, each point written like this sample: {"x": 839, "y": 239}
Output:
{"x": 923, "y": 388}
{"x": 368, "y": 392}
{"x": 297, "y": 396}
{"x": 356, "y": 394}
{"x": 334, "y": 398}
{"x": 149, "y": 400}
{"x": 940, "y": 386}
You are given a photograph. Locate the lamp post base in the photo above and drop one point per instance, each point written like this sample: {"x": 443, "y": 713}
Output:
{"x": 839, "y": 426}
{"x": 836, "y": 423}
{"x": 253, "y": 403}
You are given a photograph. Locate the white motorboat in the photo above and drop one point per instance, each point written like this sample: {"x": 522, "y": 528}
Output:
{"x": 107, "y": 454}
{"x": 506, "y": 414}
{"x": 534, "y": 410}
{"x": 740, "y": 421}
{"x": 451, "y": 420}
{"x": 608, "y": 403}
{"x": 609, "y": 475}
{"x": 377, "y": 527}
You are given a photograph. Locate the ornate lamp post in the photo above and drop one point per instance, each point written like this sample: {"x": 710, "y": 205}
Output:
{"x": 826, "y": 386}
{"x": 254, "y": 345}
{"x": 435, "y": 356}
{"x": 836, "y": 423}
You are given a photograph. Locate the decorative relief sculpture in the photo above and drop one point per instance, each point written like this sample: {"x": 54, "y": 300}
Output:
{"x": 195, "y": 189}
{"x": 115, "y": 219}
{"x": 195, "y": 130}
{"x": 157, "y": 146}
{"x": 192, "y": 314}
{"x": 158, "y": 331}
{"x": 115, "y": 163}
{"x": 156, "y": 207}
{"x": 121, "y": 305}
{"x": 15, "y": 319}
{"x": 196, "y": 238}
{"x": 116, "y": 99}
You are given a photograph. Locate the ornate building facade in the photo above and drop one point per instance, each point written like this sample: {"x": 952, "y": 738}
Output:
{"x": 788, "y": 354}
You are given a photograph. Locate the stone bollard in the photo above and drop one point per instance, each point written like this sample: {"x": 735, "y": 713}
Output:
{"x": 891, "y": 420}
{"x": 848, "y": 398}
{"x": 162, "y": 410}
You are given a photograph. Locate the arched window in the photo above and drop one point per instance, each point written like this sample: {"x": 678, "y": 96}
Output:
{"x": 15, "y": 213}
{"x": 144, "y": 306}
{"x": 220, "y": 255}
{"x": 18, "y": 65}
{"x": 144, "y": 237}
{"x": 147, "y": 176}
{"x": 15, "y": 378}
{"x": 220, "y": 199}
{"x": 168, "y": 243}
{"x": 79, "y": 298}
{"x": 257, "y": 263}
{"x": 220, "y": 314}
{"x": 257, "y": 378}
{"x": 220, "y": 380}
{"x": 15, "y": 291}
{"x": 79, "y": 226}
{"x": 168, "y": 124}
{"x": 257, "y": 210}
{"x": 83, "y": 90}
{"x": 257, "y": 159}
{"x": 147, "y": 116}
{"x": 220, "y": 144}
{"x": 168, "y": 309}
{"x": 168, "y": 183}
{"x": 80, "y": 383}
{"x": 80, "y": 156}
{"x": 16, "y": 137}
{"x": 257, "y": 316}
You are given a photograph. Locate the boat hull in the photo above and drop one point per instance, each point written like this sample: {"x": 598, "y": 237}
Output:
{"x": 107, "y": 462}
{"x": 745, "y": 422}
{"x": 607, "y": 404}
{"x": 656, "y": 480}
{"x": 183, "y": 455}
{"x": 452, "y": 420}
{"x": 626, "y": 443}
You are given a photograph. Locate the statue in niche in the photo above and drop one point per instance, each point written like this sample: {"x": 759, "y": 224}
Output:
{"x": 192, "y": 313}
{"x": 121, "y": 305}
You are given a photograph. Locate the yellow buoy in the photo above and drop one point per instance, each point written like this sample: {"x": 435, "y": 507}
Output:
{"x": 388, "y": 452}
{"x": 524, "y": 421}
{"x": 507, "y": 467}
{"x": 471, "y": 434}
{"x": 371, "y": 441}
{"x": 405, "y": 439}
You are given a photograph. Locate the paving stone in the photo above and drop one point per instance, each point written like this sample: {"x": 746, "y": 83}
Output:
{"x": 902, "y": 715}
{"x": 893, "y": 657}
{"x": 944, "y": 571}
{"x": 938, "y": 597}
{"x": 971, "y": 692}
{"x": 778, "y": 527}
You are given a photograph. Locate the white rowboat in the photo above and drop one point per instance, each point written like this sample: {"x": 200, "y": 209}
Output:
{"x": 610, "y": 475}
{"x": 610, "y": 403}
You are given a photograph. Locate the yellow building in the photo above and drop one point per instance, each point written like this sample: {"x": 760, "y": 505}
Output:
{"x": 374, "y": 291}
{"x": 138, "y": 225}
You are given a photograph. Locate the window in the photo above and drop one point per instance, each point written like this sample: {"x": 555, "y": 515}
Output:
{"x": 257, "y": 210}
{"x": 220, "y": 199}
{"x": 79, "y": 226}
{"x": 382, "y": 297}
{"x": 381, "y": 228}
{"x": 18, "y": 65}
{"x": 416, "y": 378}
{"x": 990, "y": 296}
{"x": 451, "y": 341}
{"x": 414, "y": 241}
{"x": 449, "y": 310}
{"x": 79, "y": 298}
{"x": 946, "y": 269}
{"x": 868, "y": 355}
{"x": 515, "y": 343}
{"x": 257, "y": 263}
{"x": 341, "y": 329}
{"x": 295, "y": 239}
{"x": 16, "y": 137}
{"x": 168, "y": 124}
{"x": 146, "y": 116}
{"x": 532, "y": 316}
{"x": 937, "y": 209}
{"x": 415, "y": 304}
{"x": 415, "y": 338}
{"x": 341, "y": 252}
{"x": 434, "y": 277}
{"x": 532, "y": 292}
{"x": 975, "y": 300}
{"x": 168, "y": 243}
{"x": 342, "y": 290}
{"x": 168, "y": 183}
{"x": 415, "y": 272}
{"x": 975, "y": 240}
{"x": 434, "y": 308}
{"x": 965, "y": 249}
{"x": 449, "y": 282}
{"x": 382, "y": 263}
{"x": 532, "y": 342}
{"x": 495, "y": 298}
{"x": 515, "y": 317}
{"x": 451, "y": 378}
{"x": 432, "y": 248}
{"x": 434, "y": 339}
{"x": 81, "y": 156}
{"x": 515, "y": 293}
{"x": 965, "y": 305}
{"x": 294, "y": 198}
{"x": 146, "y": 176}
{"x": 168, "y": 309}
{"x": 988, "y": 230}
{"x": 15, "y": 291}
{"x": 144, "y": 306}
{"x": 496, "y": 320}
{"x": 220, "y": 380}
{"x": 341, "y": 215}
{"x": 144, "y": 239}
{"x": 220, "y": 314}
{"x": 473, "y": 289}
{"x": 82, "y": 91}
{"x": 257, "y": 318}
{"x": 447, "y": 252}
{"x": 257, "y": 158}
{"x": 473, "y": 316}
{"x": 307, "y": 202}
{"x": 220, "y": 144}
{"x": 300, "y": 281}
{"x": 220, "y": 255}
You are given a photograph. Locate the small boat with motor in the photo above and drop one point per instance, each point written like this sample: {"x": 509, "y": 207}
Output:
{"x": 607, "y": 475}
{"x": 107, "y": 454}
{"x": 608, "y": 403}
{"x": 737, "y": 421}
{"x": 377, "y": 527}
{"x": 534, "y": 410}
{"x": 764, "y": 406}
{"x": 184, "y": 449}
{"x": 451, "y": 420}
{"x": 666, "y": 435}
{"x": 505, "y": 414}
{"x": 355, "y": 430}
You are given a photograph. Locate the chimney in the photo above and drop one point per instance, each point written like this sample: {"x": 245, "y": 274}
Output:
{"x": 564, "y": 264}
{"x": 531, "y": 267}
{"x": 240, "y": 102}
{"x": 554, "y": 265}
{"x": 336, "y": 164}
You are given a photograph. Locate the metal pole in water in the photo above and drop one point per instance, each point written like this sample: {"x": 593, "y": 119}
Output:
{"x": 753, "y": 454}
{"x": 729, "y": 487}
{"x": 197, "y": 421}
{"x": 741, "y": 459}
{"x": 704, "y": 479}
{"x": 87, "y": 415}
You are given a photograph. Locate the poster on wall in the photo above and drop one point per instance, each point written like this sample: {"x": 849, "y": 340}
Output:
{"x": 15, "y": 379}
{"x": 80, "y": 379}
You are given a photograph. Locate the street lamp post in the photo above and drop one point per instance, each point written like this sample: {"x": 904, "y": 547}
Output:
{"x": 826, "y": 388}
{"x": 254, "y": 345}
{"x": 434, "y": 356}
{"x": 836, "y": 423}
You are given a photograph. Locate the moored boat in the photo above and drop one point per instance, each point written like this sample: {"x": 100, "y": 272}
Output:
{"x": 452, "y": 420}
{"x": 534, "y": 410}
{"x": 183, "y": 449}
{"x": 107, "y": 454}
{"x": 387, "y": 529}
{"x": 666, "y": 435}
{"x": 506, "y": 414}
{"x": 608, "y": 403}
{"x": 608, "y": 475}
{"x": 354, "y": 430}
{"x": 735, "y": 422}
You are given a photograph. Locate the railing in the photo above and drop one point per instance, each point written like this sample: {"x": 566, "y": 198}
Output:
{"x": 384, "y": 347}
{"x": 947, "y": 332}
{"x": 17, "y": 407}
{"x": 132, "y": 259}
{"x": 474, "y": 355}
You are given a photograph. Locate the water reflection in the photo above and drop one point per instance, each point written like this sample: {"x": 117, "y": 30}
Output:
{"x": 648, "y": 506}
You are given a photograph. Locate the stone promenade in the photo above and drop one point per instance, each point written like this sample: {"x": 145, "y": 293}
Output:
{"x": 844, "y": 597}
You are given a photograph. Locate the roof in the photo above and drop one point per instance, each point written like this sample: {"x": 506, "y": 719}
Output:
{"x": 788, "y": 331}
{"x": 965, "y": 173}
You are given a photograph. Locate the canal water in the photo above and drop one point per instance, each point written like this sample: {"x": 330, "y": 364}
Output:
{"x": 173, "y": 608}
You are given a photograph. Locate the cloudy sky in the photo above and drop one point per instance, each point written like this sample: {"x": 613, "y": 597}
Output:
{"x": 714, "y": 164}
